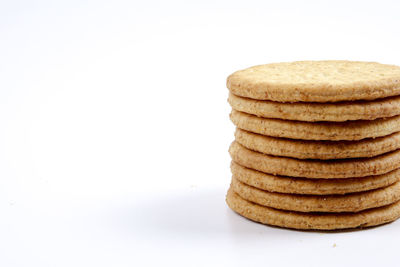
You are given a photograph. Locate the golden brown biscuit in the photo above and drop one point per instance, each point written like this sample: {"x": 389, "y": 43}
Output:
{"x": 329, "y": 203}
{"x": 310, "y": 149}
{"x": 293, "y": 185}
{"x": 302, "y": 111}
{"x": 334, "y": 131}
{"x": 348, "y": 168}
{"x": 312, "y": 221}
{"x": 316, "y": 81}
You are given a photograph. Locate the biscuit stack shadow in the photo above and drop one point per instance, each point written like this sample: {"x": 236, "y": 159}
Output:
{"x": 317, "y": 144}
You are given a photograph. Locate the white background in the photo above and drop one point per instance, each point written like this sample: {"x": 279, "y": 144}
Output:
{"x": 114, "y": 129}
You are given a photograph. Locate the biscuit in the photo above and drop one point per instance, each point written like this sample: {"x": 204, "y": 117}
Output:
{"x": 316, "y": 81}
{"x": 312, "y": 221}
{"x": 347, "y": 168}
{"x": 310, "y": 149}
{"x": 301, "y": 111}
{"x": 334, "y": 131}
{"x": 292, "y": 185}
{"x": 329, "y": 203}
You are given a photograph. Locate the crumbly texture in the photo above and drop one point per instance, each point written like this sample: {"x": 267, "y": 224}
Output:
{"x": 316, "y": 81}
{"x": 312, "y": 221}
{"x": 334, "y": 131}
{"x": 293, "y": 185}
{"x": 348, "y": 168}
{"x": 309, "y": 149}
{"x": 301, "y": 111}
{"x": 330, "y": 203}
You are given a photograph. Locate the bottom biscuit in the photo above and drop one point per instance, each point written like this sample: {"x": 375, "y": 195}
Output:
{"x": 312, "y": 221}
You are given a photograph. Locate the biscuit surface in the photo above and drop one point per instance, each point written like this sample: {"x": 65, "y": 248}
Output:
{"x": 316, "y": 81}
{"x": 329, "y": 203}
{"x": 312, "y": 221}
{"x": 348, "y": 168}
{"x": 334, "y": 131}
{"x": 292, "y": 185}
{"x": 310, "y": 149}
{"x": 302, "y": 111}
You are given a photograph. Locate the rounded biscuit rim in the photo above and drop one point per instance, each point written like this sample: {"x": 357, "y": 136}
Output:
{"x": 354, "y": 202}
{"x": 330, "y": 131}
{"x": 315, "y": 169}
{"x": 312, "y": 221}
{"x": 295, "y": 185}
{"x": 317, "y": 149}
{"x": 313, "y": 112}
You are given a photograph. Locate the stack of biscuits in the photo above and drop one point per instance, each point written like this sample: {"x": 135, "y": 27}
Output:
{"x": 317, "y": 144}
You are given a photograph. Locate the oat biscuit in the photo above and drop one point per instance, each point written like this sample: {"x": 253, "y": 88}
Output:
{"x": 312, "y": 221}
{"x": 334, "y": 131}
{"x": 348, "y": 168}
{"x": 302, "y": 111}
{"x": 329, "y": 203}
{"x": 310, "y": 149}
{"x": 292, "y": 185}
{"x": 316, "y": 81}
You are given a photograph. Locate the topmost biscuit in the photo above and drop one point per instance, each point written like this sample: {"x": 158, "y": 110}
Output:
{"x": 316, "y": 81}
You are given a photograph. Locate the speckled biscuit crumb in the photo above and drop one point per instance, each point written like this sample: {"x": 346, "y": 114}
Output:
{"x": 316, "y": 81}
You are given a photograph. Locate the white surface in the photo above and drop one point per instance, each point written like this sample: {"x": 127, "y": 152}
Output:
{"x": 114, "y": 129}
